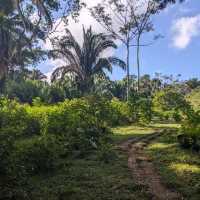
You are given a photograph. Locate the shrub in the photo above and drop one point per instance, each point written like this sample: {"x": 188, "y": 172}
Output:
{"x": 10, "y": 178}
{"x": 106, "y": 153}
{"x": 120, "y": 112}
{"x": 170, "y": 102}
{"x": 32, "y": 138}
{"x": 186, "y": 141}
{"x": 191, "y": 125}
{"x": 190, "y": 130}
{"x": 6, "y": 147}
{"x": 176, "y": 116}
{"x": 36, "y": 155}
{"x": 13, "y": 117}
{"x": 145, "y": 110}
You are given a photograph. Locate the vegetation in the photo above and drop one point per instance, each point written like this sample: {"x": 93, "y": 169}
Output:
{"x": 84, "y": 62}
{"x": 179, "y": 168}
{"x": 61, "y": 139}
{"x": 194, "y": 98}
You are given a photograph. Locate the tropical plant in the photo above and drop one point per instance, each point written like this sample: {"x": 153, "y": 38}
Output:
{"x": 22, "y": 23}
{"x": 17, "y": 44}
{"x": 83, "y": 62}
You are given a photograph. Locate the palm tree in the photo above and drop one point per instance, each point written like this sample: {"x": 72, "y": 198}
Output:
{"x": 17, "y": 48}
{"x": 43, "y": 8}
{"x": 17, "y": 37}
{"x": 84, "y": 61}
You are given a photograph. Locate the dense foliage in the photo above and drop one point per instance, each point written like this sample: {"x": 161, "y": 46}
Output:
{"x": 44, "y": 124}
{"x": 190, "y": 131}
{"x": 34, "y": 137}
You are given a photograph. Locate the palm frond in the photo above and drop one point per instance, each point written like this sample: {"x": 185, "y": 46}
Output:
{"x": 103, "y": 63}
{"x": 70, "y": 42}
{"x": 60, "y": 72}
{"x": 118, "y": 62}
{"x": 86, "y": 60}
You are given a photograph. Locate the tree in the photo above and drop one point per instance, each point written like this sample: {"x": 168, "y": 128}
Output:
{"x": 83, "y": 62}
{"x": 169, "y": 99}
{"x": 17, "y": 44}
{"x": 41, "y": 10}
{"x": 193, "y": 83}
{"x": 142, "y": 12}
{"x": 125, "y": 21}
{"x": 163, "y": 3}
{"x": 116, "y": 17}
{"x": 22, "y": 24}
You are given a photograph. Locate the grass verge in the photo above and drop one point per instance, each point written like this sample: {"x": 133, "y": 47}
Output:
{"x": 179, "y": 168}
{"x": 87, "y": 179}
{"x": 125, "y": 132}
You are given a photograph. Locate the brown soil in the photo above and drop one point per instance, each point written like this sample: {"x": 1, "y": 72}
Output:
{"x": 143, "y": 171}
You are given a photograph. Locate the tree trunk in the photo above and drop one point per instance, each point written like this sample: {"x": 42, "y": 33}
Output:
{"x": 128, "y": 73}
{"x": 3, "y": 74}
{"x": 138, "y": 63}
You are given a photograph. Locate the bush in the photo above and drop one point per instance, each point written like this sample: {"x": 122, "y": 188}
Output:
{"x": 36, "y": 135}
{"x": 6, "y": 147}
{"x": 171, "y": 104}
{"x": 13, "y": 117}
{"x": 33, "y": 138}
{"x": 176, "y": 116}
{"x": 10, "y": 178}
{"x": 120, "y": 113}
{"x": 186, "y": 141}
{"x": 106, "y": 153}
{"x": 80, "y": 121}
{"x": 190, "y": 130}
{"x": 36, "y": 155}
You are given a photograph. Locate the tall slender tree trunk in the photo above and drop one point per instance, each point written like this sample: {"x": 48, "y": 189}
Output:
{"x": 138, "y": 62}
{"x": 3, "y": 75}
{"x": 128, "y": 72}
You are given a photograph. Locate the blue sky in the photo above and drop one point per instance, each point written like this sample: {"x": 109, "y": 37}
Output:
{"x": 178, "y": 52}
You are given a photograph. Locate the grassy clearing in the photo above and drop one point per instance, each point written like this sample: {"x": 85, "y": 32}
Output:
{"x": 179, "y": 168}
{"x": 87, "y": 179}
{"x": 126, "y": 132}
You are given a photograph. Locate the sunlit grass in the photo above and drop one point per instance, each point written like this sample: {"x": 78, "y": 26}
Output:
{"x": 132, "y": 130}
{"x": 180, "y": 169}
{"x": 159, "y": 145}
{"x": 166, "y": 125}
{"x": 126, "y": 132}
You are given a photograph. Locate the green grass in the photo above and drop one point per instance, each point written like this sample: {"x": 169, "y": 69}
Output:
{"x": 179, "y": 168}
{"x": 87, "y": 179}
{"x": 126, "y": 132}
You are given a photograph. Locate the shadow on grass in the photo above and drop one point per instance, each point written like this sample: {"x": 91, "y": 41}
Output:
{"x": 122, "y": 134}
{"x": 88, "y": 179}
{"x": 138, "y": 130}
{"x": 179, "y": 168}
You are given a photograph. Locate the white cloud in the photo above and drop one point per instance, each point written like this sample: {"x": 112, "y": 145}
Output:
{"x": 184, "y": 30}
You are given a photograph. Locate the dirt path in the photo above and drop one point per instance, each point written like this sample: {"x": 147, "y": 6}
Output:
{"x": 143, "y": 170}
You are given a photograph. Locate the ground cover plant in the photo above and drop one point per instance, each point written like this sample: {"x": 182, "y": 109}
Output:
{"x": 179, "y": 168}
{"x": 35, "y": 139}
{"x": 76, "y": 122}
